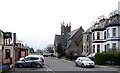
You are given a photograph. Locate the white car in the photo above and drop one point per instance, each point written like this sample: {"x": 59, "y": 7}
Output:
{"x": 84, "y": 62}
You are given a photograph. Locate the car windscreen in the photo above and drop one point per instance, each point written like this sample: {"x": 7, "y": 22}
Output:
{"x": 87, "y": 59}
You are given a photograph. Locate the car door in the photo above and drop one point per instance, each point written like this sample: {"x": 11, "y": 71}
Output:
{"x": 27, "y": 61}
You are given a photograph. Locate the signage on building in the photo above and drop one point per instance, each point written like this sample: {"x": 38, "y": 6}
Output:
{"x": 22, "y": 54}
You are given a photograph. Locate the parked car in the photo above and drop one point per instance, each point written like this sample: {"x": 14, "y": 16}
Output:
{"x": 84, "y": 62}
{"x": 30, "y": 59}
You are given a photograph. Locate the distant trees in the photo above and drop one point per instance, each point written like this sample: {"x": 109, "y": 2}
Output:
{"x": 49, "y": 48}
{"x": 39, "y": 51}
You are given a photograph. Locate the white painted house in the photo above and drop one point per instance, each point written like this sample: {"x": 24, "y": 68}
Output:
{"x": 105, "y": 34}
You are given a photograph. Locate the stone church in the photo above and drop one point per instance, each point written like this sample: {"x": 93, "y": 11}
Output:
{"x": 71, "y": 41}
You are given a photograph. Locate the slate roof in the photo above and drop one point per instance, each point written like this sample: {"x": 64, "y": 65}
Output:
{"x": 61, "y": 39}
{"x": 100, "y": 25}
{"x": 89, "y": 29}
{"x": 72, "y": 33}
{"x": 113, "y": 22}
{"x": 69, "y": 43}
{"x": 58, "y": 38}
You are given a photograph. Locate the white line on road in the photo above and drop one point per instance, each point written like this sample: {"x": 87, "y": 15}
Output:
{"x": 48, "y": 68}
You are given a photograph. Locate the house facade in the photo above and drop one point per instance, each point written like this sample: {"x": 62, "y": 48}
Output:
{"x": 7, "y": 48}
{"x": 21, "y": 51}
{"x": 105, "y": 34}
{"x": 87, "y": 42}
{"x": 1, "y": 48}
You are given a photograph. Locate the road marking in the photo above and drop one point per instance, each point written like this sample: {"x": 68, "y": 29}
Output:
{"x": 48, "y": 68}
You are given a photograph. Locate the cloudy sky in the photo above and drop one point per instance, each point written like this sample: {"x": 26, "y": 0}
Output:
{"x": 37, "y": 21}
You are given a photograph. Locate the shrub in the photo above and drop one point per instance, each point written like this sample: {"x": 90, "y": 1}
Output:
{"x": 107, "y": 58}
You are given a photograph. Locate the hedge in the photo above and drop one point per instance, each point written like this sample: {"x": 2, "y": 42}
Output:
{"x": 107, "y": 58}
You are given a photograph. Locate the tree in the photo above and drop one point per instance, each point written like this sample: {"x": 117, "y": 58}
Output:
{"x": 59, "y": 50}
{"x": 50, "y": 49}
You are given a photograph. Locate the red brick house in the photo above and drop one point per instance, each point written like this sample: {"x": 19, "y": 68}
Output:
{"x": 20, "y": 49}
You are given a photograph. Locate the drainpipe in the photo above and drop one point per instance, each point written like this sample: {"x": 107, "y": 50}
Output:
{"x": 118, "y": 40}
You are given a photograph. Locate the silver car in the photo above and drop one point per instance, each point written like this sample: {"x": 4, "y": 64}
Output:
{"x": 28, "y": 61}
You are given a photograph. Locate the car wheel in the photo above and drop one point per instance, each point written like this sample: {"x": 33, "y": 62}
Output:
{"x": 82, "y": 65}
{"x": 38, "y": 66}
{"x": 76, "y": 64}
{"x": 93, "y": 66}
{"x": 20, "y": 65}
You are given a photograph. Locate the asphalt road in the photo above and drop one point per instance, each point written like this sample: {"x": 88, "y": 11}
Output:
{"x": 54, "y": 65}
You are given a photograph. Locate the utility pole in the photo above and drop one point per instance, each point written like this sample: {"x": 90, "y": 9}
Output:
{"x": 14, "y": 41}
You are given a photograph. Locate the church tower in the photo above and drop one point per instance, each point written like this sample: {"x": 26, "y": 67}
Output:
{"x": 65, "y": 29}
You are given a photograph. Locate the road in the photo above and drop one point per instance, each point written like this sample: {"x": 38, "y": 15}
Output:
{"x": 54, "y": 65}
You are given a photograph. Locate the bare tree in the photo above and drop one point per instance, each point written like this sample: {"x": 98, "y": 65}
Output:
{"x": 49, "y": 48}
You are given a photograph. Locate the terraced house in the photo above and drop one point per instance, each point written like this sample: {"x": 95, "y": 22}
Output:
{"x": 87, "y": 42}
{"x": 105, "y": 34}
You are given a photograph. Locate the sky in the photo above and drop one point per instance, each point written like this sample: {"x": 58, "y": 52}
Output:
{"x": 36, "y": 22}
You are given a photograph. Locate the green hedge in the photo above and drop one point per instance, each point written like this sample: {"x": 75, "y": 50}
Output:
{"x": 107, "y": 58}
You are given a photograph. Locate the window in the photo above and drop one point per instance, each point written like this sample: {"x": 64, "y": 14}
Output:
{"x": 98, "y": 48}
{"x": 7, "y": 53}
{"x": 36, "y": 58}
{"x": 105, "y": 48}
{"x": 98, "y": 35}
{"x": 114, "y": 32}
{"x": 31, "y": 58}
{"x": 87, "y": 49}
{"x": 105, "y": 35}
{"x": 27, "y": 59}
{"x": 93, "y": 36}
{"x": 113, "y": 45}
{"x": 93, "y": 48}
{"x": 87, "y": 37}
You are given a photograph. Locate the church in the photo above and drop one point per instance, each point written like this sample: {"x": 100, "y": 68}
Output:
{"x": 71, "y": 41}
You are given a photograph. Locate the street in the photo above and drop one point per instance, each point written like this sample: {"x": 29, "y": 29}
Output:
{"x": 54, "y": 65}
